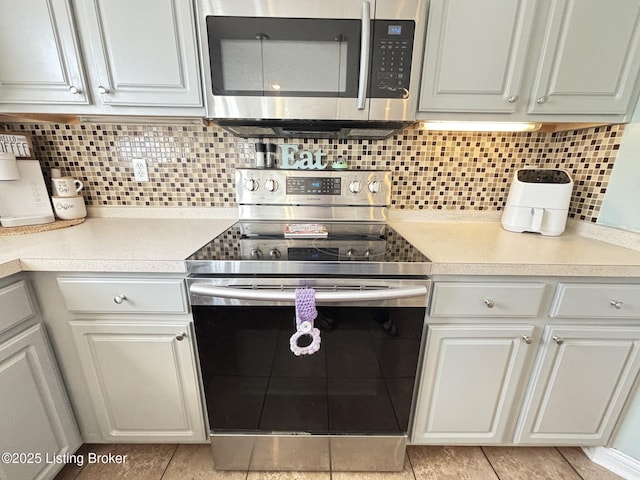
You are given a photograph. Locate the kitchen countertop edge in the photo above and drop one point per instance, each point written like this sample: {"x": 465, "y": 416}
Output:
{"x": 201, "y": 225}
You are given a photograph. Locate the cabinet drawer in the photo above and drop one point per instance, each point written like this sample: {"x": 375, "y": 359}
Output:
{"x": 596, "y": 301}
{"x": 14, "y": 305}
{"x": 124, "y": 295}
{"x": 486, "y": 299}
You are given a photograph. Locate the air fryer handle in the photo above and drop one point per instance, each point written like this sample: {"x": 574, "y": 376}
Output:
{"x": 538, "y": 214}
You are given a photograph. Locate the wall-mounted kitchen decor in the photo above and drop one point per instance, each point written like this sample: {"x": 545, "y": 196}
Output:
{"x": 194, "y": 166}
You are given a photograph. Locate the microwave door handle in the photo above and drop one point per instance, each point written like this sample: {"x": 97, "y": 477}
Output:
{"x": 365, "y": 52}
{"x": 321, "y": 297}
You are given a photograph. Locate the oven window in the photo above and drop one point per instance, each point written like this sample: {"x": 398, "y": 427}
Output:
{"x": 284, "y": 56}
{"x": 361, "y": 380}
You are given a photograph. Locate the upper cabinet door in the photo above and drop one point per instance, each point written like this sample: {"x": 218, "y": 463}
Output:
{"x": 39, "y": 60}
{"x": 590, "y": 58}
{"x": 475, "y": 55}
{"x": 144, "y": 52}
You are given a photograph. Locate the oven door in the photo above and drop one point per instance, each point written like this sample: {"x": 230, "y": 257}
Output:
{"x": 345, "y": 407}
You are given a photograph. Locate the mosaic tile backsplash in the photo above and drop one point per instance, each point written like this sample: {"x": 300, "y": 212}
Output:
{"x": 193, "y": 166}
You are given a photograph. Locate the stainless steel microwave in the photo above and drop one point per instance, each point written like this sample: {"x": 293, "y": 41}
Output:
{"x": 323, "y": 62}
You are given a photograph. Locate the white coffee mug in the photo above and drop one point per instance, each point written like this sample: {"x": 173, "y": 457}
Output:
{"x": 68, "y": 208}
{"x": 66, "y": 186}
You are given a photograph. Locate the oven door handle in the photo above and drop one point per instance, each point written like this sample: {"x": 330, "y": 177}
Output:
{"x": 321, "y": 297}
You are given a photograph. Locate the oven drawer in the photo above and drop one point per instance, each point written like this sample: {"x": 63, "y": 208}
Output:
{"x": 596, "y": 301}
{"x": 14, "y": 305}
{"x": 115, "y": 295}
{"x": 486, "y": 299}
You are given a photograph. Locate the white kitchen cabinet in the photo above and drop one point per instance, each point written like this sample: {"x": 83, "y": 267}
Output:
{"x": 476, "y": 54}
{"x": 469, "y": 383}
{"x": 142, "y": 379}
{"x": 141, "y": 52}
{"x": 40, "y": 60}
{"x": 139, "y": 377}
{"x": 531, "y": 60}
{"x": 486, "y": 299}
{"x": 580, "y": 382}
{"x": 589, "y": 60}
{"x": 139, "y": 57}
{"x": 36, "y": 419}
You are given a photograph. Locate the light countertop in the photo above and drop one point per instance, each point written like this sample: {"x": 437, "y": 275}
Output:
{"x": 485, "y": 248}
{"x": 456, "y": 246}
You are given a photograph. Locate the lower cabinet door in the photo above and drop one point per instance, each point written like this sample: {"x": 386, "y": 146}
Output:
{"x": 142, "y": 380}
{"x": 580, "y": 382}
{"x": 37, "y": 428}
{"x": 469, "y": 380}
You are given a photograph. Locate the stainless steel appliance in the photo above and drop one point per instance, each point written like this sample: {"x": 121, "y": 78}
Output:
{"x": 348, "y": 406}
{"x": 342, "y": 68}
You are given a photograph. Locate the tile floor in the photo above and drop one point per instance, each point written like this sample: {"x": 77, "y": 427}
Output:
{"x": 193, "y": 462}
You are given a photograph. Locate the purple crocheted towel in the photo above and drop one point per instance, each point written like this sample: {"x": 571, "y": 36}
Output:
{"x": 305, "y": 305}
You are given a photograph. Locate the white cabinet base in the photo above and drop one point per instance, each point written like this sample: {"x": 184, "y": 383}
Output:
{"x": 579, "y": 385}
{"x": 469, "y": 383}
{"x": 35, "y": 417}
{"x": 142, "y": 380}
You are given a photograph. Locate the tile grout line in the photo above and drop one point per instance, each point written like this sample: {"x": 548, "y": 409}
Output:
{"x": 169, "y": 462}
{"x": 570, "y": 464}
{"x": 489, "y": 460}
{"x": 413, "y": 472}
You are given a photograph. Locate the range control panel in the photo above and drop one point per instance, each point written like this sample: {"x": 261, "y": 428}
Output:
{"x": 313, "y": 187}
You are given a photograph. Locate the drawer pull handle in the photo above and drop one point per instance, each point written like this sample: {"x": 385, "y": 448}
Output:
{"x": 489, "y": 303}
{"x": 558, "y": 340}
{"x": 527, "y": 339}
{"x": 119, "y": 298}
{"x": 616, "y": 304}
{"x": 181, "y": 336}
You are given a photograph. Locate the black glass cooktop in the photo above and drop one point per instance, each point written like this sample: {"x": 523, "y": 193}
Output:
{"x": 254, "y": 245}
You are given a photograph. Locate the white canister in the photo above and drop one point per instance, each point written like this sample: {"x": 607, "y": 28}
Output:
{"x": 8, "y": 167}
{"x": 69, "y": 208}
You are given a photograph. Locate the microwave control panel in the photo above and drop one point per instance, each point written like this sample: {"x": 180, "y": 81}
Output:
{"x": 392, "y": 49}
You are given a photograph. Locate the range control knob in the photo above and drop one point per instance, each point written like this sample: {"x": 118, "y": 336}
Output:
{"x": 251, "y": 185}
{"x": 256, "y": 253}
{"x": 351, "y": 253}
{"x": 275, "y": 253}
{"x": 355, "y": 186}
{"x": 374, "y": 187}
{"x": 368, "y": 254}
{"x": 271, "y": 185}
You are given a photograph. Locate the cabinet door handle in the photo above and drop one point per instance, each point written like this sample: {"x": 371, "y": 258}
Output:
{"x": 181, "y": 336}
{"x": 558, "y": 340}
{"x": 527, "y": 339}
{"x": 119, "y": 298}
{"x": 513, "y": 98}
{"x": 74, "y": 90}
{"x": 542, "y": 100}
{"x": 103, "y": 90}
{"x": 489, "y": 303}
{"x": 617, "y": 304}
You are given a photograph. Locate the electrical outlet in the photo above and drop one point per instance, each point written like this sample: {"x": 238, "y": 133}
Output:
{"x": 140, "y": 172}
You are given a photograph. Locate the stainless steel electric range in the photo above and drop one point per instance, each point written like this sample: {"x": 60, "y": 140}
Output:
{"x": 346, "y": 403}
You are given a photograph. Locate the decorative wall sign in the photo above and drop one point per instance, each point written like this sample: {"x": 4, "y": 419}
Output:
{"x": 17, "y": 143}
{"x": 292, "y": 157}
